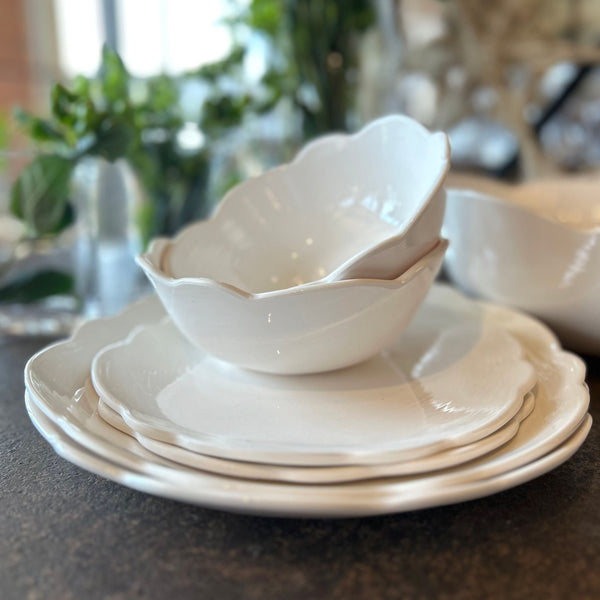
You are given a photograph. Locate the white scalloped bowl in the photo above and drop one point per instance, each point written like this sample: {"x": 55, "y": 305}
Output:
{"x": 364, "y": 205}
{"x": 534, "y": 246}
{"x": 306, "y": 329}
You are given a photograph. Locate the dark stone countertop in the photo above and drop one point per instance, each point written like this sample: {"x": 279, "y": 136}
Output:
{"x": 65, "y": 533}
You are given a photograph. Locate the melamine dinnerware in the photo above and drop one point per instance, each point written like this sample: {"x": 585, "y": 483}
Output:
{"x": 535, "y": 247}
{"x": 308, "y": 329}
{"x": 451, "y": 379}
{"x": 66, "y": 413}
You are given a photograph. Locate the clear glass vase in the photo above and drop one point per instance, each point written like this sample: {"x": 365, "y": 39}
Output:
{"x": 36, "y": 296}
{"x": 107, "y": 198}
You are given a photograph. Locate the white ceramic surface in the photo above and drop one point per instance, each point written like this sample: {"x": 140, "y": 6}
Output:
{"x": 56, "y": 378}
{"x": 452, "y": 378}
{"x": 135, "y": 468}
{"x": 573, "y": 201}
{"x": 377, "y": 192}
{"x": 305, "y": 330}
{"x": 537, "y": 248}
{"x": 70, "y": 422}
{"x": 281, "y": 473}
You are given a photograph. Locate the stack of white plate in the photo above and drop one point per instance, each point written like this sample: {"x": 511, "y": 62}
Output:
{"x": 471, "y": 399}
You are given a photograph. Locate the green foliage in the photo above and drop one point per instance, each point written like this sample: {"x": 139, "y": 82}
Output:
{"x": 324, "y": 37}
{"x": 314, "y": 58}
{"x": 110, "y": 118}
{"x": 39, "y": 196}
{"x": 223, "y": 111}
{"x": 33, "y": 287}
{"x": 114, "y": 79}
{"x": 212, "y": 71}
{"x": 266, "y": 16}
{"x": 115, "y": 116}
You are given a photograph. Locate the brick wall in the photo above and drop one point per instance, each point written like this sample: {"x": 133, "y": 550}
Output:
{"x": 15, "y": 72}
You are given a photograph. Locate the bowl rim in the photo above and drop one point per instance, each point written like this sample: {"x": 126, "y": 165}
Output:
{"x": 492, "y": 198}
{"x": 436, "y": 186}
{"x": 147, "y": 263}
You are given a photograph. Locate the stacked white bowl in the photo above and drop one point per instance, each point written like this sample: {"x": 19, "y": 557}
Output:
{"x": 317, "y": 264}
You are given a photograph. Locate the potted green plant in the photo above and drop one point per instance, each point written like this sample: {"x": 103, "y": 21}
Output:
{"x": 109, "y": 118}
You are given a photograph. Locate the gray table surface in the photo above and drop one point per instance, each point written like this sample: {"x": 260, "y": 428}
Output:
{"x": 65, "y": 533}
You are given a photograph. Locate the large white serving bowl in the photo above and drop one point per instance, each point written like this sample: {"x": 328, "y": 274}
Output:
{"x": 306, "y": 329}
{"x": 535, "y": 247}
{"x": 364, "y": 205}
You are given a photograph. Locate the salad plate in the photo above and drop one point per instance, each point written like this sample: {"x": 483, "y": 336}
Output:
{"x": 452, "y": 378}
{"x": 282, "y": 473}
{"x": 67, "y": 416}
{"x": 134, "y": 470}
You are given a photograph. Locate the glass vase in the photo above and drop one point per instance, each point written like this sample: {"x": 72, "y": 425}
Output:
{"x": 108, "y": 198}
{"x": 36, "y": 274}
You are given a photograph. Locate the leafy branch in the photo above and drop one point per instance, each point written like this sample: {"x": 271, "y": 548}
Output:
{"x": 110, "y": 117}
{"x": 313, "y": 58}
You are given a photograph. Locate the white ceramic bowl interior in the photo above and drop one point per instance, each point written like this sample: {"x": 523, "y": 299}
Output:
{"x": 536, "y": 248}
{"x": 571, "y": 201}
{"x": 306, "y": 329}
{"x": 344, "y": 196}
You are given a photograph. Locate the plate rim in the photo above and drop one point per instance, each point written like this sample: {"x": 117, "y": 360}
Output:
{"x": 318, "y": 475}
{"x": 81, "y": 456}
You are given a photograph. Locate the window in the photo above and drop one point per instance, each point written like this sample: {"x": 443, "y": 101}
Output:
{"x": 152, "y": 36}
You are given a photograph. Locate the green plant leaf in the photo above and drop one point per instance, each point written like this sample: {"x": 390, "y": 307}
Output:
{"x": 40, "y": 194}
{"x": 214, "y": 70}
{"x": 81, "y": 87}
{"x": 113, "y": 139}
{"x": 63, "y": 103}
{"x": 266, "y": 15}
{"x": 75, "y": 110}
{"x": 114, "y": 76}
{"x": 37, "y": 286}
{"x": 40, "y": 130}
{"x": 163, "y": 94}
{"x": 223, "y": 112}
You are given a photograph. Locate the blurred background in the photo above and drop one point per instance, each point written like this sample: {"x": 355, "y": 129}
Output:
{"x": 121, "y": 120}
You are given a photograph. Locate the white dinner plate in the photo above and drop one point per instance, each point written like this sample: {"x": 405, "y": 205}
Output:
{"x": 328, "y": 474}
{"x": 285, "y": 499}
{"x": 56, "y": 377}
{"x": 452, "y": 378}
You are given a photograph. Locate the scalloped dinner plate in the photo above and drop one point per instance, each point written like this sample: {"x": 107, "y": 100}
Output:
{"x": 68, "y": 418}
{"x": 282, "y": 473}
{"x": 453, "y": 378}
{"x": 287, "y": 500}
